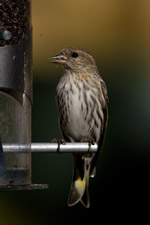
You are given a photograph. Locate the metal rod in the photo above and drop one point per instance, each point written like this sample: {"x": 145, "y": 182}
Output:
{"x": 49, "y": 148}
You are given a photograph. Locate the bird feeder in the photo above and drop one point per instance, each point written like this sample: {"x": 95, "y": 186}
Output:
{"x": 16, "y": 100}
{"x": 15, "y": 93}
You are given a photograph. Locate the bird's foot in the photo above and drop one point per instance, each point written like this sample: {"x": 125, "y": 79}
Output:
{"x": 90, "y": 142}
{"x": 59, "y": 142}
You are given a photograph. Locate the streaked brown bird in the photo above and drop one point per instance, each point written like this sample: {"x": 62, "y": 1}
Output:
{"x": 82, "y": 103}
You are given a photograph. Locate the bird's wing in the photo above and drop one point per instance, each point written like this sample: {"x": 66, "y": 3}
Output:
{"x": 103, "y": 128}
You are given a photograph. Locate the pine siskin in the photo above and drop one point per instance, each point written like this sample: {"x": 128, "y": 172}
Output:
{"x": 82, "y": 103}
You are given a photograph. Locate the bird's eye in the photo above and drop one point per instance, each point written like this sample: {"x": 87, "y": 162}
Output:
{"x": 74, "y": 55}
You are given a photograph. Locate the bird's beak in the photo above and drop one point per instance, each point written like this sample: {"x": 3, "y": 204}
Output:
{"x": 60, "y": 59}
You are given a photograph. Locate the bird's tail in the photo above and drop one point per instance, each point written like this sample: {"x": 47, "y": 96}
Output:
{"x": 79, "y": 189}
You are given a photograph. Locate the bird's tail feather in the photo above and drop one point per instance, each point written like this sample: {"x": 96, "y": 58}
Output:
{"x": 79, "y": 189}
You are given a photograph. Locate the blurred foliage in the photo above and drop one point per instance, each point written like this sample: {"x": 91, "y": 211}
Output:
{"x": 116, "y": 33}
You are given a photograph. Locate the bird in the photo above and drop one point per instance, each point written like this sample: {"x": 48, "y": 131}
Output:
{"x": 82, "y": 102}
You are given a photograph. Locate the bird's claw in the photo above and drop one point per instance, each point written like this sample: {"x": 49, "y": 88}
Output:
{"x": 91, "y": 142}
{"x": 59, "y": 142}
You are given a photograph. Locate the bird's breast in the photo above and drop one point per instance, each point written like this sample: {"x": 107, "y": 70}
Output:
{"x": 79, "y": 110}
{"x": 77, "y": 127}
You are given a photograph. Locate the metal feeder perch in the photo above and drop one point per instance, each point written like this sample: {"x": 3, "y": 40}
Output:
{"x": 16, "y": 100}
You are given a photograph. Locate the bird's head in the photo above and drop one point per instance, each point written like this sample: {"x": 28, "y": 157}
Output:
{"x": 75, "y": 59}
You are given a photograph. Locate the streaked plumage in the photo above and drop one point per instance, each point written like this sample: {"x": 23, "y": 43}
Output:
{"x": 82, "y": 103}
